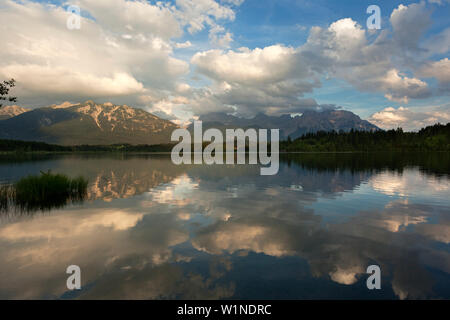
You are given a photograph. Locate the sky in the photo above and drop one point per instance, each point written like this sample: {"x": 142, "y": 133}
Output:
{"x": 181, "y": 59}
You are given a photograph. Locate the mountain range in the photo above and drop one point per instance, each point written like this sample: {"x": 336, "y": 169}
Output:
{"x": 11, "y": 111}
{"x": 292, "y": 126}
{"x": 87, "y": 123}
{"x": 103, "y": 124}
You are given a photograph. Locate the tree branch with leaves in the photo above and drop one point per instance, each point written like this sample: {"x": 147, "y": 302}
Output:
{"x": 5, "y": 86}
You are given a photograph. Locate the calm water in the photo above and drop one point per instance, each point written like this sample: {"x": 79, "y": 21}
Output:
{"x": 153, "y": 230}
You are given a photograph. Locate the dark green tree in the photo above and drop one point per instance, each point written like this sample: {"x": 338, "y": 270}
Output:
{"x": 4, "y": 91}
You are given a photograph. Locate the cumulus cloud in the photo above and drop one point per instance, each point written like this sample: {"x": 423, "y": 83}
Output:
{"x": 50, "y": 60}
{"x": 123, "y": 50}
{"x": 63, "y": 82}
{"x": 183, "y": 45}
{"x": 409, "y": 120}
{"x": 265, "y": 65}
{"x": 409, "y": 24}
{"x": 134, "y": 17}
{"x": 439, "y": 43}
{"x": 124, "y": 53}
{"x": 274, "y": 79}
{"x": 269, "y": 79}
{"x": 439, "y": 70}
{"x": 220, "y": 37}
{"x": 343, "y": 51}
{"x": 198, "y": 14}
{"x": 400, "y": 88}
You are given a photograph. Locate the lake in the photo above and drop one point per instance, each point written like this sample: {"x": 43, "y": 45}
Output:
{"x": 149, "y": 229}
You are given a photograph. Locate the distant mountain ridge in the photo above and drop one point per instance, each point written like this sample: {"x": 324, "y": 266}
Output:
{"x": 105, "y": 124}
{"x": 294, "y": 127}
{"x": 87, "y": 123}
{"x": 7, "y": 112}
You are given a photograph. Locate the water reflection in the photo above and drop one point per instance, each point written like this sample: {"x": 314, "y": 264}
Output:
{"x": 152, "y": 230}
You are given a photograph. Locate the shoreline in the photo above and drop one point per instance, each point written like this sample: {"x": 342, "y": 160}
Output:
{"x": 21, "y": 152}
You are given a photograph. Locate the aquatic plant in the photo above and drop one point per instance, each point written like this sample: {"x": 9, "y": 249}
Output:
{"x": 43, "y": 192}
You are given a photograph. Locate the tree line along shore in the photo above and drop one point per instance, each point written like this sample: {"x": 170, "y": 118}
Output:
{"x": 431, "y": 138}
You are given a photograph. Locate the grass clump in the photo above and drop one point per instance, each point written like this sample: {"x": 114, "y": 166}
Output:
{"x": 43, "y": 192}
{"x": 7, "y": 194}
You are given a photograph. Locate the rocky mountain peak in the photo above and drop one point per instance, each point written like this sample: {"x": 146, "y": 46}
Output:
{"x": 7, "y": 112}
{"x": 88, "y": 123}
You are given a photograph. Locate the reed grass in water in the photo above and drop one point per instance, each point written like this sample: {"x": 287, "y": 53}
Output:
{"x": 43, "y": 192}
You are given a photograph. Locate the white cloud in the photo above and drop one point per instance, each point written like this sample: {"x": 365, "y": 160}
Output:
{"x": 183, "y": 45}
{"x": 198, "y": 14}
{"x": 124, "y": 52}
{"x": 391, "y": 118}
{"x": 439, "y": 43}
{"x": 258, "y": 80}
{"x": 135, "y": 17}
{"x": 247, "y": 66}
{"x": 93, "y": 62}
{"x": 343, "y": 51}
{"x": 409, "y": 24}
{"x": 220, "y": 37}
{"x": 64, "y": 81}
{"x": 439, "y": 70}
{"x": 346, "y": 276}
{"x": 274, "y": 78}
{"x": 400, "y": 88}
